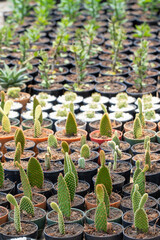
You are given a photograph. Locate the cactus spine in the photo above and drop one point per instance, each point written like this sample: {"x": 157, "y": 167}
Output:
{"x": 66, "y": 159}
{"x": 101, "y": 213}
{"x": 105, "y": 126}
{"x": 27, "y": 205}
{"x": 103, "y": 175}
{"x": 64, "y": 199}
{"x": 61, "y": 225}
{"x": 52, "y": 141}
{"x": 35, "y": 173}
{"x": 19, "y": 137}
{"x": 81, "y": 162}
{"x": 1, "y": 175}
{"x": 17, "y": 220}
{"x": 37, "y": 129}
{"x": 146, "y": 140}
{"x": 71, "y": 125}
{"x": 137, "y": 128}
{"x": 85, "y": 151}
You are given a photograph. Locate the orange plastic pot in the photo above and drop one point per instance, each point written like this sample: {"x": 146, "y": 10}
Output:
{"x": 159, "y": 126}
{"x": 101, "y": 140}
{"x": 4, "y": 218}
{"x": 40, "y": 205}
{"x": 126, "y": 129}
{"x": 24, "y": 101}
{"x": 69, "y": 140}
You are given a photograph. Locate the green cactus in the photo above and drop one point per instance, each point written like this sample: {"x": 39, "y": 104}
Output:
{"x": 71, "y": 107}
{"x": 65, "y": 147}
{"x": 116, "y": 139}
{"x": 85, "y": 151}
{"x": 83, "y": 140}
{"x": 136, "y": 196}
{"x": 17, "y": 221}
{"x": 1, "y": 175}
{"x": 101, "y": 213}
{"x": 103, "y": 108}
{"x": 71, "y": 125}
{"x": 81, "y": 162}
{"x": 137, "y": 171}
{"x": 61, "y": 225}
{"x": 66, "y": 159}
{"x": 2, "y": 103}
{"x": 52, "y": 141}
{"x": 146, "y": 140}
{"x": 13, "y": 92}
{"x": 35, "y": 104}
{"x": 6, "y": 126}
{"x": 103, "y": 175}
{"x": 35, "y": 173}
{"x": 37, "y": 129}
{"x": 49, "y": 152}
{"x": 105, "y": 126}
{"x": 114, "y": 148}
{"x": 70, "y": 179}
{"x": 17, "y": 156}
{"x": 38, "y": 112}
{"x": 25, "y": 182}
{"x": 106, "y": 200}
{"x": 7, "y": 107}
{"x": 148, "y": 157}
{"x": 115, "y": 161}
{"x": 26, "y": 205}
{"x": 140, "y": 114}
{"x": 64, "y": 198}
{"x": 47, "y": 161}
{"x": 19, "y": 137}
{"x": 96, "y": 97}
{"x": 140, "y": 216}
{"x": 137, "y": 128}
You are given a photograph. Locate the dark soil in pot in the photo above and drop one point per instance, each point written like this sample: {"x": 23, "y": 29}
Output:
{"x": 139, "y": 148}
{"x": 151, "y": 188}
{"x": 52, "y": 173}
{"x": 76, "y": 146}
{"x": 84, "y": 91}
{"x": 133, "y": 91}
{"x": 126, "y": 203}
{"x": 124, "y": 147}
{"x": 62, "y": 123}
{"x": 93, "y": 156}
{"x": 36, "y": 198}
{"x": 42, "y": 146}
{"x": 3, "y": 200}
{"x": 145, "y": 133}
{"x": 8, "y": 187}
{"x": 71, "y": 78}
{"x": 124, "y": 157}
{"x": 95, "y": 125}
{"x": 10, "y": 145}
{"x": 56, "y": 156}
{"x": 104, "y": 79}
{"x": 109, "y": 89}
{"x": 148, "y": 125}
{"x": 155, "y": 157}
{"x": 78, "y": 202}
{"x": 25, "y": 156}
{"x": 124, "y": 169}
{"x": 30, "y": 123}
{"x": 55, "y": 89}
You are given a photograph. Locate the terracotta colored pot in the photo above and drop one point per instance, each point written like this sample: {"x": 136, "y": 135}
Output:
{"x": 23, "y": 101}
{"x": 159, "y": 126}
{"x": 126, "y": 129}
{"x": 4, "y": 218}
{"x": 70, "y": 140}
{"x": 100, "y": 140}
{"x": 40, "y": 205}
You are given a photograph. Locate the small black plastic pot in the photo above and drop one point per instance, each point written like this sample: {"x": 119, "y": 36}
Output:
{"x": 3, "y": 200}
{"x": 139, "y": 95}
{"x": 118, "y": 236}
{"x": 78, "y": 236}
{"x": 8, "y": 148}
{"x": 22, "y": 159}
{"x": 47, "y": 193}
{"x": 142, "y": 144}
{"x": 13, "y": 175}
{"x": 128, "y": 159}
{"x": 153, "y": 177}
{"x": 126, "y": 223}
{"x": 56, "y": 92}
{"x": 108, "y": 93}
{"x": 83, "y": 93}
{"x": 32, "y": 235}
{"x": 108, "y": 149}
{"x": 53, "y": 175}
{"x": 11, "y": 189}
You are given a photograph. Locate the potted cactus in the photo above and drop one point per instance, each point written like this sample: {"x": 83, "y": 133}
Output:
{"x": 105, "y": 131}
{"x": 29, "y": 123}
{"x": 65, "y": 230}
{"x": 103, "y": 177}
{"x": 6, "y": 186}
{"x": 51, "y": 142}
{"x": 71, "y": 133}
{"x": 102, "y": 229}
{"x": 18, "y": 228}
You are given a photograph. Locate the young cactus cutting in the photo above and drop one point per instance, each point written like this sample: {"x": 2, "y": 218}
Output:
{"x": 137, "y": 128}
{"x": 71, "y": 125}
{"x": 105, "y": 126}
{"x": 37, "y": 123}
{"x": 85, "y": 151}
{"x": 52, "y": 141}
{"x": 61, "y": 224}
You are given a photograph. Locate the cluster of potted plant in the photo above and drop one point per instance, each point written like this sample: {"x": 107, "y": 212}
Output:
{"x": 79, "y": 120}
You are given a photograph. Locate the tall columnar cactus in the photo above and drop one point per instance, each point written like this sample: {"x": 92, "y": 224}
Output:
{"x": 17, "y": 221}
{"x": 140, "y": 216}
{"x": 35, "y": 173}
{"x": 25, "y": 182}
{"x": 35, "y": 104}
{"x": 37, "y": 129}
{"x": 103, "y": 108}
{"x": 106, "y": 199}
{"x": 146, "y": 140}
{"x": 115, "y": 148}
{"x": 65, "y": 147}
{"x": 52, "y": 141}
{"x": 61, "y": 225}
{"x": 116, "y": 139}
{"x": 19, "y": 137}
{"x": 101, "y": 213}
{"x": 148, "y": 156}
{"x": 18, "y": 152}
{"x": 85, "y": 151}
{"x": 71, "y": 125}
{"x": 115, "y": 161}
{"x": 105, "y": 126}
{"x": 103, "y": 175}
{"x": 70, "y": 179}
{"x": 83, "y": 140}
{"x": 26, "y": 205}
{"x": 1, "y": 175}
{"x": 137, "y": 128}
{"x": 2, "y": 103}
{"x": 140, "y": 114}
{"x": 66, "y": 169}
{"x": 136, "y": 197}
{"x": 64, "y": 198}
{"x": 81, "y": 162}
{"x": 137, "y": 171}
{"x": 47, "y": 161}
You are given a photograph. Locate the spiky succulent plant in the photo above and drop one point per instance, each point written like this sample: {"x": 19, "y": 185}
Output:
{"x": 115, "y": 161}
{"x": 116, "y": 139}
{"x": 137, "y": 128}
{"x": 146, "y": 140}
{"x": 85, "y": 151}
{"x": 66, "y": 169}
{"x": 83, "y": 140}
{"x": 19, "y": 138}
{"x": 71, "y": 125}
{"x": 148, "y": 156}
{"x": 114, "y": 148}
{"x": 140, "y": 114}
{"x": 47, "y": 161}
{"x": 6, "y": 126}
{"x": 13, "y": 92}
{"x": 26, "y": 205}
{"x": 105, "y": 126}
{"x": 65, "y": 147}
{"x": 103, "y": 175}
{"x": 35, "y": 104}
{"x": 61, "y": 225}
{"x": 81, "y": 162}
{"x": 18, "y": 152}
{"x": 1, "y": 175}
{"x": 52, "y": 141}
